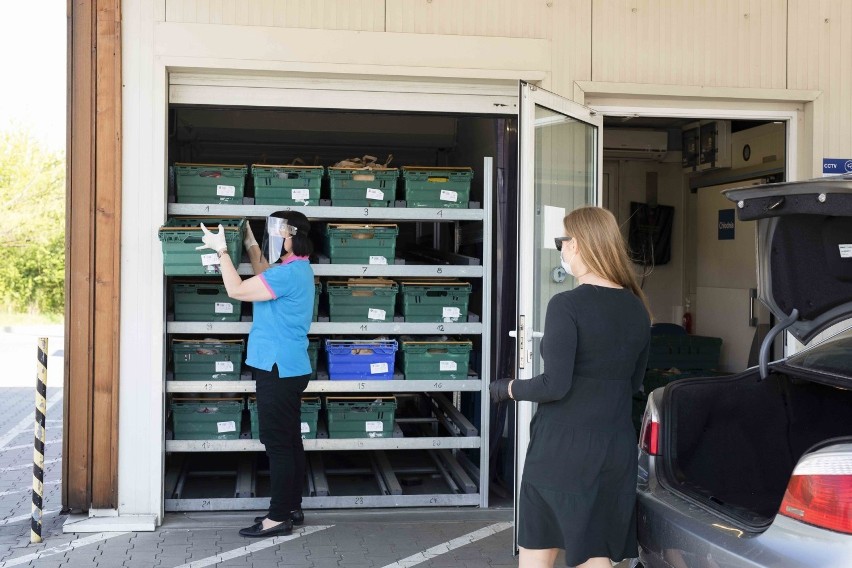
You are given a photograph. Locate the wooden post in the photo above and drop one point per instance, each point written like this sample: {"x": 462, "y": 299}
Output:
{"x": 93, "y": 223}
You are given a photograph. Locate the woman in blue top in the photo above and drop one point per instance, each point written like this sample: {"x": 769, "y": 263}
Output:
{"x": 283, "y": 296}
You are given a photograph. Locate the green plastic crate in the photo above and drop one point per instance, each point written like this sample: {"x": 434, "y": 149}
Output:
{"x": 360, "y": 416}
{"x": 181, "y": 235}
{"x": 361, "y": 244}
{"x": 206, "y": 418}
{"x": 204, "y": 301}
{"x": 355, "y": 187}
{"x": 313, "y": 355}
{"x": 317, "y": 292}
{"x": 361, "y": 299}
{"x": 207, "y": 360}
{"x": 287, "y": 185}
{"x": 434, "y": 360}
{"x": 423, "y": 301}
{"x": 436, "y": 187}
{"x": 309, "y": 416}
{"x": 210, "y": 183}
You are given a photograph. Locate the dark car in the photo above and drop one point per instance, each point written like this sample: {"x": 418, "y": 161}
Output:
{"x": 755, "y": 469}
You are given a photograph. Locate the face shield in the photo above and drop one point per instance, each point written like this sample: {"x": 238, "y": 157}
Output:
{"x": 277, "y": 231}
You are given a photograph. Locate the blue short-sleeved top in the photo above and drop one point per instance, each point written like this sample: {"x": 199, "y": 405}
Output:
{"x": 279, "y": 334}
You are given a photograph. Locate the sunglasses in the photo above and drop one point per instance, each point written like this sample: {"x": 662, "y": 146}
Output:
{"x": 560, "y": 240}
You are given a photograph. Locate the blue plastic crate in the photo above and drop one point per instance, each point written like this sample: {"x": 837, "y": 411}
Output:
{"x": 360, "y": 360}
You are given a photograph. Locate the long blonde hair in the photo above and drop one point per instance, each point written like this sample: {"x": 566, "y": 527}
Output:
{"x": 604, "y": 251}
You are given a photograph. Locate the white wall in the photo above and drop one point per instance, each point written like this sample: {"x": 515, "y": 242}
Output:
{"x": 664, "y": 286}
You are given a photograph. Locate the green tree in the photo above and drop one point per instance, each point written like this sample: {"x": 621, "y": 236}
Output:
{"x": 32, "y": 234}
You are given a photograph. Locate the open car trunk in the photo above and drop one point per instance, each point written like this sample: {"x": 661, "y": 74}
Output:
{"x": 731, "y": 443}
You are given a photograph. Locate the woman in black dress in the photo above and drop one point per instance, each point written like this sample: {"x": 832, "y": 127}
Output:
{"x": 578, "y": 490}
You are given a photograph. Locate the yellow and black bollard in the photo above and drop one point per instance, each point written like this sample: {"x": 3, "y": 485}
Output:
{"x": 38, "y": 451}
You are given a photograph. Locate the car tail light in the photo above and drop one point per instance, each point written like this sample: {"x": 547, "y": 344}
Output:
{"x": 649, "y": 436}
{"x": 820, "y": 492}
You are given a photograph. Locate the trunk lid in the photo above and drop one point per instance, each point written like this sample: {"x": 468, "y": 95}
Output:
{"x": 804, "y": 249}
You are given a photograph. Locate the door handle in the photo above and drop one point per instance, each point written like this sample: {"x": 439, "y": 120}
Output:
{"x": 520, "y": 335}
{"x": 537, "y": 335}
{"x": 752, "y": 296}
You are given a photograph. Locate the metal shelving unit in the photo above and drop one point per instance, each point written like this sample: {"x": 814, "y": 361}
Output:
{"x": 466, "y": 482}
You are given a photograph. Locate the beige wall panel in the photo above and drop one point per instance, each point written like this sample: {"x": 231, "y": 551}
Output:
{"x": 733, "y": 43}
{"x": 358, "y": 15}
{"x": 494, "y": 18}
{"x": 819, "y": 57}
{"x": 571, "y": 46}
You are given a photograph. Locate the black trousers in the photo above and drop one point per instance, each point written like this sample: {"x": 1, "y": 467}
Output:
{"x": 279, "y": 404}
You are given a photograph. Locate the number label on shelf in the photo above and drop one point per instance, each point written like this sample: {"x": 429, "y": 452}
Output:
{"x": 208, "y": 386}
{"x": 364, "y": 327}
{"x": 436, "y": 443}
{"x": 440, "y": 328}
{"x": 206, "y": 445}
{"x": 206, "y": 504}
{"x": 359, "y": 500}
{"x": 362, "y": 386}
{"x": 438, "y": 385}
{"x": 439, "y": 270}
{"x": 366, "y": 211}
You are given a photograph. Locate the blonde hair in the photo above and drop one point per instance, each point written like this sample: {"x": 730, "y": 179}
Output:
{"x": 604, "y": 251}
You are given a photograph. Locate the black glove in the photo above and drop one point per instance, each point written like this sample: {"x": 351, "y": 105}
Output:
{"x": 499, "y": 390}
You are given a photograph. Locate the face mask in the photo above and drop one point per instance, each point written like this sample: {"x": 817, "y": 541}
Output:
{"x": 567, "y": 265}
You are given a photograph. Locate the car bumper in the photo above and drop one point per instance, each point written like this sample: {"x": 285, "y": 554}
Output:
{"x": 676, "y": 533}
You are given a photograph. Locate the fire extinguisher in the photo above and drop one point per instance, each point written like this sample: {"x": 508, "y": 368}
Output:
{"x": 687, "y": 319}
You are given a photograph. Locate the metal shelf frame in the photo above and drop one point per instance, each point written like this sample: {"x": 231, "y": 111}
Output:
{"x": 366, "y": 214}
{"x": 325, "y": 386}
{"x": 474, "y": 440}
{"x": 324, "y": 445}
{"x": 331, "y": 328}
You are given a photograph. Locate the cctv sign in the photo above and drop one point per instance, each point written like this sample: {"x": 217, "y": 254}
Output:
{"x": 836, "y": 166}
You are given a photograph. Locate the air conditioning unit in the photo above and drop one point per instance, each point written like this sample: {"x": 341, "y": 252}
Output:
{"x": 758, "y": 146}
{"x": 634, "y": 144}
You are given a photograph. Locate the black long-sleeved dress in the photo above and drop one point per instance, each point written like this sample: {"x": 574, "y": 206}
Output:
{"x": 578, "y": 490}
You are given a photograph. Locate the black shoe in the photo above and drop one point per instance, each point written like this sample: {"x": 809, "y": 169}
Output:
{"x": 297, "y": 516}
{"x": 256, "y": 530}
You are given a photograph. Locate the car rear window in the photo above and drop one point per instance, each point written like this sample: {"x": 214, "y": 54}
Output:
{"x": 833, "y": 356}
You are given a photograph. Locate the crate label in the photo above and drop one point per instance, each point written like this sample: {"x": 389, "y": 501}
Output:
{"x": 449, "y": 366}
{"x": 377, "y": 194}
{"x": 376, "y": 314}
{"x": 223, "y": 308}
{"x": 451, "y": 312}
{"x": 224, "y": 366}
{"x": 306, "y": 428}
{"x": 374, "y": 426}
{"x": 845, "y": 251}
{"x": 378, "y": 260}
{"x": 222, "y": 427}
{"x": 447, "y": 195}
{"x": 377, "y": 368}
{"x": 226, "y": 190}
{"x": 300, "y": 193}
{"x": 209, "y": 259}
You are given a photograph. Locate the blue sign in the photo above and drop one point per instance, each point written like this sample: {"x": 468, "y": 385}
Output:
{"x": 726, "y": 224}
{"x": 836, "y": 166}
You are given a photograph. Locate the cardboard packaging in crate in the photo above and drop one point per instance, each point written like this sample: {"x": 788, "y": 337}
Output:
{"x": 360, "y": 416}
{"x": 364, "y": 360}
{"x": 204, "y": 301}
{"x": 309, "y": 416}
{"x": 361, "y": 244}
{"x": 206, "y": 418}
{"x": 361, "y": 299}
{"x": 287, "y": 185}
{"x": 423, "y": 301}
{"x": 436, "y": 186}
{"x": 425, "y": 360}
{"x": 181, "y": 235}
{"x": 210, "y": 183}
{"x": 363, "y": 187}
{"x": 208, "y": 359}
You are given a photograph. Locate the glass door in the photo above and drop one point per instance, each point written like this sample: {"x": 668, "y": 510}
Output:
{"x": 560, "y": 170}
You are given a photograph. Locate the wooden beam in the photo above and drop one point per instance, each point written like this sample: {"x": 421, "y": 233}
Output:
{"x": 93, "y": 198}
{"x": 76, "y": 451}
{"x": 107, "y": 223}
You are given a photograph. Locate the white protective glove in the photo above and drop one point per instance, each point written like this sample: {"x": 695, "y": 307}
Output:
{"x": 249, "y": 240}
{"x": 211, "y": 240}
